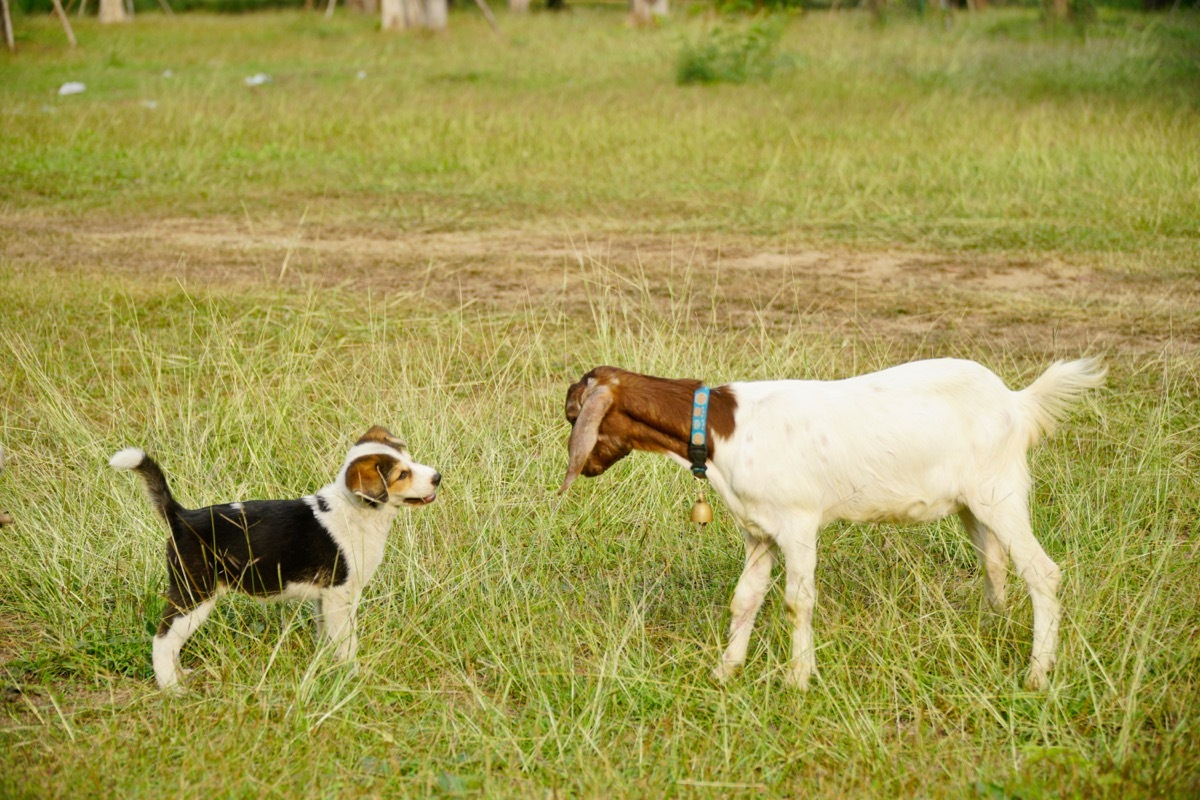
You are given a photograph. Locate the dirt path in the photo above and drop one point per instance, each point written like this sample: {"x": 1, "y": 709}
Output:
{"x": 1049, "y": 304}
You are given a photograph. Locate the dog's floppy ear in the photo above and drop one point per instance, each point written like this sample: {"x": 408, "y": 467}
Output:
{"x": 382, "y": 435}
{"x": 366, "y": 476}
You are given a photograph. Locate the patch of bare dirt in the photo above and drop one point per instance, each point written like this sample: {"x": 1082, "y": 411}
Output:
{"x": 1047, "y": 304}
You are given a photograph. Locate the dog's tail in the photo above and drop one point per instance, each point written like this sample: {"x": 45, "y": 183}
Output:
{"x": 1050, "y": 398}
{"x": 135, "y": 458}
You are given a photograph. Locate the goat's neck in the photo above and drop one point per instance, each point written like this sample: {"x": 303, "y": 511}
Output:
{"x": 660, "y": 410}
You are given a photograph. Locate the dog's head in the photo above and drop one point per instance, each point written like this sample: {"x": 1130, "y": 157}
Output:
{"x": 380, "y": 470}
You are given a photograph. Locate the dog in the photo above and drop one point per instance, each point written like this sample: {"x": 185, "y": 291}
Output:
{"x": 324, "y": 547}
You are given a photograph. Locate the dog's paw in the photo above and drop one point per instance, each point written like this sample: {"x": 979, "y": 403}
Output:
{"x": 173, "y": 689}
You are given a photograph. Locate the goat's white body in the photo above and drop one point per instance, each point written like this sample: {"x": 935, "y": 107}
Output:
{"x": 913, "y": 443}
{"x": 901, "y": 445}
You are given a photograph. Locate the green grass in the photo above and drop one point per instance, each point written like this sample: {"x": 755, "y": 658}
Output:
{"x": 992, "y": 134}
{"x": 515, "y": 642}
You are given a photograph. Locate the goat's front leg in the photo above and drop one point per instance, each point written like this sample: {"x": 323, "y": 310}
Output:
{"x": 747, "y": 599}
{"x": 798, "y": 546}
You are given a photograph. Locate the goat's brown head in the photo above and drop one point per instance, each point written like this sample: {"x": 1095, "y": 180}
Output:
{"x": 614, "y": 412}
{"x": 595, "y": 445}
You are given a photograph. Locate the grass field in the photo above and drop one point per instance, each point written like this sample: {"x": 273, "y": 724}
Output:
{"x": 241, "y": 280}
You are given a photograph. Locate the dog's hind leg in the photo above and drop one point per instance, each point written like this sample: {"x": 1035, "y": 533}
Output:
{"x": 319, "y": 618}
{"x": 176, "y": 627}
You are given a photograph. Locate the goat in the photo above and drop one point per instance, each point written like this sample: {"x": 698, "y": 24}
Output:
{"x": 909, "y": 444}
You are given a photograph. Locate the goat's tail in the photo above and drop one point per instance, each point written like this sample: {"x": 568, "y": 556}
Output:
{"x": 1050, "y": 398}
{"x": 135, "y": 458}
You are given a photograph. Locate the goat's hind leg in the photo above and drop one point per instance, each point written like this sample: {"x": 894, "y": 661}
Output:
{"x": 1009, "y": 522}
{"x": 747, "y": 600}
{"x": 992, "y": 559}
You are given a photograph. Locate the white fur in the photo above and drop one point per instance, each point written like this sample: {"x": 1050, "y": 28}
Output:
{"x": 912, "y": 443}
{"x": 165, "y": 653}
{"x": 129, "y": 458}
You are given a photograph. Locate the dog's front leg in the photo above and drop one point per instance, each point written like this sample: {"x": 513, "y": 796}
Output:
{"x": 340, "y": 607}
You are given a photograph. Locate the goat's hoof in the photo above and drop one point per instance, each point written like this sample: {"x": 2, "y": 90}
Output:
{"x": 726, "y": 670}
{"x": 798, "y": 679}
{"x": 1038, "y": 679}
{"x": 1039, "y": 673}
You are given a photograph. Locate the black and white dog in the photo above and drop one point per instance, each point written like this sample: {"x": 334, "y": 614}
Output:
{"x": 323, "y": 547}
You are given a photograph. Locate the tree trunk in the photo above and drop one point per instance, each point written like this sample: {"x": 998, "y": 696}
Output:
{"x": 113, "y": 11}
{"x": 1059, "y": 9}
{"x": 7, "y": 22}
{"x": 643, "y": 12}
{"x": 392, "y": 14}
{"x": 62, "y": 16}
{"x": 401, "y": 15}
{"x": 518, "y": 6}
{"x": 436, "y": 14}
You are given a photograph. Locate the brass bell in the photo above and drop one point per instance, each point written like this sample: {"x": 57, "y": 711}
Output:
{"x": 702, "y": 512}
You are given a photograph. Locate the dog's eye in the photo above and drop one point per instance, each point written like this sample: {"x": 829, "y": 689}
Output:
{"x": 404, "y": 474}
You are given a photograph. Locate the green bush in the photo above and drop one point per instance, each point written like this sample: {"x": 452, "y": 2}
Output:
{"x": 731, "y": 55}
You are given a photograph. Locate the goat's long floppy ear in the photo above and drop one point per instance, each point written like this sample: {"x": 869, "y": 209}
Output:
{"x": 367, "y": 477}
{"x": 586, "y": 431}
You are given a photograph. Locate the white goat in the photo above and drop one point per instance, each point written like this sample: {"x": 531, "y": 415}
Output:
{"x": 913, "y": 443}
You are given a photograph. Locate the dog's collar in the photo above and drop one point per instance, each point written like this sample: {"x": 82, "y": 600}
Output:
{"x": 698, "y": 441}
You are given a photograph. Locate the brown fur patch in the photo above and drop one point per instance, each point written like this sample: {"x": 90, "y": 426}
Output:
{"x": 368, "y": 476}
{"x": 381, "y": 435}
{"x": 648, "y": 413}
